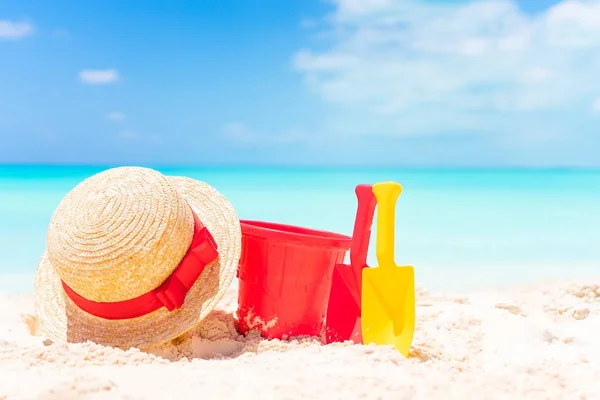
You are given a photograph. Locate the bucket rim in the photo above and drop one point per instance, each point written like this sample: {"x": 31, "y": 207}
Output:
{"x": 294, "y": 233}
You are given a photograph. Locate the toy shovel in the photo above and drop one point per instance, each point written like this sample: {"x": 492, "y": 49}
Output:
{"x": 388, "y": 297}
{"x": 343, "y": 310}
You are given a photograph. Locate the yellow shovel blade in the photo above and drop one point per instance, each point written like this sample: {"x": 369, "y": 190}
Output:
{"x": 388, "y": 307}
{"x": 388, "y": 291}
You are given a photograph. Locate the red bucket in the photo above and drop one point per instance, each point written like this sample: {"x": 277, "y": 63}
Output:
{"x": 285, "y": 278}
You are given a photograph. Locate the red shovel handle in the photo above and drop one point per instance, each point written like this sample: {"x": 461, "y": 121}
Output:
{"x": 362, "y": 225}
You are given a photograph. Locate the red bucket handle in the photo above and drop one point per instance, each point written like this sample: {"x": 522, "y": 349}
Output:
{"x": 362, "y": 226}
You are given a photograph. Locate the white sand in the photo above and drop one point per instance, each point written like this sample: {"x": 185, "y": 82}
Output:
{"x": 535, "y": 343}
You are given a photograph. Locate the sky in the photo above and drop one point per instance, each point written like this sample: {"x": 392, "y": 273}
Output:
{"x": 394, "y": 82}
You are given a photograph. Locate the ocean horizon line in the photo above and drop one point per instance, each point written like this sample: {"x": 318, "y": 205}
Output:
{"x": 308, "y": 167}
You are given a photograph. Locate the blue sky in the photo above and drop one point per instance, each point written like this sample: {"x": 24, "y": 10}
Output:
{"x": 408, "y": 82}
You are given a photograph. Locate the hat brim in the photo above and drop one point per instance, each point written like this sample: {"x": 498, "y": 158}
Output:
{"x": 61, "y": 320}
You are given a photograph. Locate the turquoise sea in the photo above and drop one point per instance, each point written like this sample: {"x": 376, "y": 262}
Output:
{"x": 460, "y": 228}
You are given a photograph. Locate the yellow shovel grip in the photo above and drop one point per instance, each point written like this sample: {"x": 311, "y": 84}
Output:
{"x": 387, "y": 194}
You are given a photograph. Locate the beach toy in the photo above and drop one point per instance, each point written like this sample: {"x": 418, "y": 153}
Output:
{"x": 135, "y": 258}
{"x": 388, "y": 297}
{"x": 285, "y": 278}
{"x": 343, "y": 311}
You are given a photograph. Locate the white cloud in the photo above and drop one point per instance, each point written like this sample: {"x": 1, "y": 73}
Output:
{"x": 116, "y": 116}
{"x": 407, "y": 67}
{"x": 98, "y": 76}
{"x": 12, "y": 30}
{"x": 596, "y": 105}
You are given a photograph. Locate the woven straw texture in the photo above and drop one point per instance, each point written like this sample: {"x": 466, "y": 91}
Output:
{"x": 120, "y": 234}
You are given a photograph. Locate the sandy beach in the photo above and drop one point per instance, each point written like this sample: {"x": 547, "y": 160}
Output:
{"x": 538, "y": 342}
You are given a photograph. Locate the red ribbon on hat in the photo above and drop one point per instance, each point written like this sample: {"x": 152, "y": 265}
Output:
{"x": 171, "y": 294}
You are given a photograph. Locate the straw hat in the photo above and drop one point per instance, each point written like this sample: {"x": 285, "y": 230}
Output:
{"x": 121, "y": 244}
